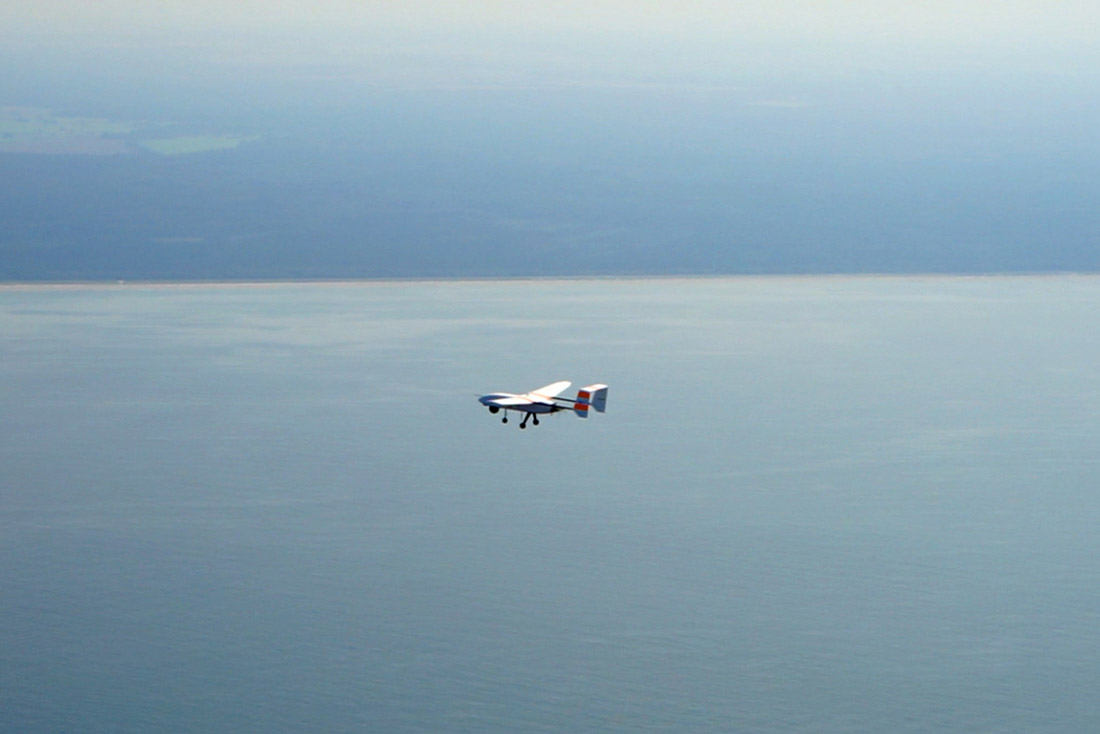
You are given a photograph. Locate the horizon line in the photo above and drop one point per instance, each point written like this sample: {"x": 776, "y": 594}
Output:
{"x": 411, "y": 280}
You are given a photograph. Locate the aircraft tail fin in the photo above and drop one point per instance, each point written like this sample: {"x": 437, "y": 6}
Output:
{"x": 590, "y": 397}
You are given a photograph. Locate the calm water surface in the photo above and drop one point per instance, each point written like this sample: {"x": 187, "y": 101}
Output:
{"x": 814, "y": 505}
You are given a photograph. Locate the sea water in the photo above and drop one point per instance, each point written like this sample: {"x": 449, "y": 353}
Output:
{"x": 813, "y": 505}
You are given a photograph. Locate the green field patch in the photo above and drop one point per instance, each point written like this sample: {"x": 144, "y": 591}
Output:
{"x": 33, "y": 130}
{"x": 37, "y": 130}
{"x": 18, "y": 123}
{"x": 185, "y": 144}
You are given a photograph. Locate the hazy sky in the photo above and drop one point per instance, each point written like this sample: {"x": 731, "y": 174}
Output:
{"x": 783, "y": 52}
{"x": 891, "y": 33}
{"x": 959, "y": 21}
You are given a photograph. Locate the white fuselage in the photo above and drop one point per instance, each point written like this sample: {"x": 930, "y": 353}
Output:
{"x": 519, "y": 403}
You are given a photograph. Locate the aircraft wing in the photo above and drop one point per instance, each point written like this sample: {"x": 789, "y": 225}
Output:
{"x": 550, "y": 391}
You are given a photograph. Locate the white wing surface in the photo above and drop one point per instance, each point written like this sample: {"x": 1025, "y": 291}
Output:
{"x": 550, "y": 391}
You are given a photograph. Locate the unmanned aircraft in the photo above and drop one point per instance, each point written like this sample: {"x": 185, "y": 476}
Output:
{"x": 547, "y": 400}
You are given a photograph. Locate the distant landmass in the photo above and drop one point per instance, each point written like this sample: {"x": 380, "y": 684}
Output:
{"x": 491, "y": 185}
{"x": 31, "y": 130}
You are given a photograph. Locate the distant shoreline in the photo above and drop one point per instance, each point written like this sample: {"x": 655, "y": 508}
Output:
{"x": 218, "y": 284}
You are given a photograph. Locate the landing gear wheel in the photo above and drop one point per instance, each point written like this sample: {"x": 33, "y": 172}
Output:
{"x": 522, "y": 425}
{"x": 504, "y": 419}
{"x": 535, "y": 421}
